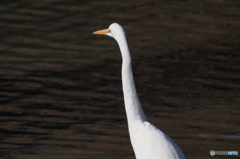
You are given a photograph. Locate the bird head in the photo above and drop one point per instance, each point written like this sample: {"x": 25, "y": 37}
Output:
{"x": 114, "y": 30}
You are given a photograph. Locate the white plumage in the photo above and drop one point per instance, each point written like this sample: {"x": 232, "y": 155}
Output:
{"x": 148, "y": 142}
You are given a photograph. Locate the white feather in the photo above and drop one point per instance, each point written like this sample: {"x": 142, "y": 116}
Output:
{"x": 148, "y": 142}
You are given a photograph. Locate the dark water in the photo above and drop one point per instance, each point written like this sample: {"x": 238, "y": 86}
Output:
{"x": 60, "y": 86}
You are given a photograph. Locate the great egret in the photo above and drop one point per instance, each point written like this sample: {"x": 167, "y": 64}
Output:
{"x": 148, "y": 142}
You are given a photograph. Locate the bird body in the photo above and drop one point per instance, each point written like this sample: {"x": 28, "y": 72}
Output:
{"x": 148, "y": 142}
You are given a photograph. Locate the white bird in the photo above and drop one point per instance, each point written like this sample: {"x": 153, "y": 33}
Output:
{"x": 148, "y": 142}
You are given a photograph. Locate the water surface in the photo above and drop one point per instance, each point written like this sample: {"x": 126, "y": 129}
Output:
{"x": 60, "y": 86}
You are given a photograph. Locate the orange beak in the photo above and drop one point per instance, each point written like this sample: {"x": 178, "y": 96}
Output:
{"x": 102, "y": 32}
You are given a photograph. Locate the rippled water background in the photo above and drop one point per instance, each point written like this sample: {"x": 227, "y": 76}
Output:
{"x": 60, "y": 86}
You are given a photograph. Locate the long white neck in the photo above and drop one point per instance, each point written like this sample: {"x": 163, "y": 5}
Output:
{"x": 135, "y": 114}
